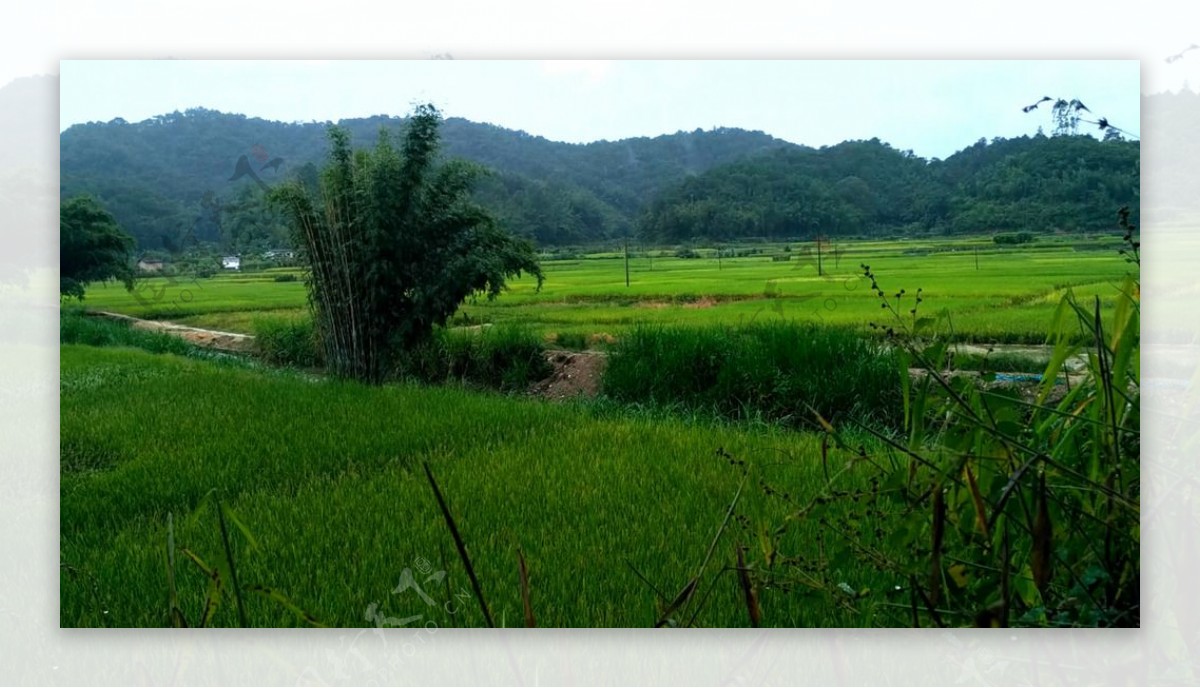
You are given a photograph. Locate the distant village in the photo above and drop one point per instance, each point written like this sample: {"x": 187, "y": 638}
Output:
{"x": 271, "y": 258}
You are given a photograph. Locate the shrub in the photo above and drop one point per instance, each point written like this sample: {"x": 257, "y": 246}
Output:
{"x": 1015, "y": 509}
{"x": 772, "y": 371}
{"x": 687, "y": 254}
{"x": 576, "y": 341}
{"x": 288, "y": 342}
{"x": 503, "y": 357}
{"x": 1013, "y": 238}
{"x": 286, "y": 277}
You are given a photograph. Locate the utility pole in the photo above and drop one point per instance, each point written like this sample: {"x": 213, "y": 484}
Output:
{"x": 820, "y": 271}
{"x": 626, "y": 260}
{"x": 976, "y": 257}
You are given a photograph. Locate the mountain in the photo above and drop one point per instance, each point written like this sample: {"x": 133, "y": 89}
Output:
{"x": 191, "y": 176}
{"x": 868, "y": 188}
{"x": 162, "y": 177}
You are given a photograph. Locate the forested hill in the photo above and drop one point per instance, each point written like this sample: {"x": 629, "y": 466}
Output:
{"x": 167, "y": 179}
{"x": 868, "y": 188}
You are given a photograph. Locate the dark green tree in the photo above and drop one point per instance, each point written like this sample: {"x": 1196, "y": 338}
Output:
{"x": 394, "y": 244}
{"x": 249, "y": 224}
{"x": 92, "y": 247}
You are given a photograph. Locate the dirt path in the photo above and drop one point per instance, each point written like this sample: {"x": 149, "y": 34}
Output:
{"x": 231, "y": 342}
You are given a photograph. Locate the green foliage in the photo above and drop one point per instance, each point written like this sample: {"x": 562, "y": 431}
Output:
{"x": 75, "y": 327}
{"x": 770, "y": 371}
{"x": 998, "y": 507}
{"x": 868, "y": 188}
{"x": 250, "y": 225}
{"x": 290, "y": 342}
{"x": 1007, "y": 300}
{"x": 507, "y": 358}
{"x": 1013, "y": 239}
{"x": 575, "y": 341}
{"x": 167, "y": 178}
{"x": 327, "y": 475}
{"x": 394, "y": 245}
{"x": 92, "y": 247}
{"x": 847, "y": 189}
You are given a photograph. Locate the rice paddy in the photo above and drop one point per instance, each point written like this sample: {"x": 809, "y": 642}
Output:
{"x": 177, "y": 466}
{"x": 993, "y": 294}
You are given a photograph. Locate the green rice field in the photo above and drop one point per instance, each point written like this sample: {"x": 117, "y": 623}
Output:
{"x": 328, "y": 479}
{"x": 204, "y": 489}
{"x": 993, "y": 294}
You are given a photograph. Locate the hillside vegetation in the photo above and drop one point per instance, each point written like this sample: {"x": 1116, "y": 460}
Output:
{"x": 180, "y": 179}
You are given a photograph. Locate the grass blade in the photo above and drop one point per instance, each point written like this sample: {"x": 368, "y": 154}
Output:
{"x": 939, "y": 531}
{"x": 175, "y": 613}
{"x": 977, "y": 499}
{"x": 749, "y": 593}
{"x": 237, "y": 522}
{"x": 530, "y": 621}
{"x": 212, "y": 599}
{"x": 1041, "y": 556}
{"x": 283, "y": 600}
{"x": 462, "y": 547}
{"x": 657, "y": 592}
{"x": 680, "y": 599}
{"x": 237, "y": 593}
{"x": 712, "y": 547}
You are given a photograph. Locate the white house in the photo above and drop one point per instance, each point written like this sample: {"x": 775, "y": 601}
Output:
{"x": 231, "y": 262}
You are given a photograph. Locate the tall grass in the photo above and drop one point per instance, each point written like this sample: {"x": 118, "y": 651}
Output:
{"x": 505, "y": 357}
{"x": 1017, "y": 511}
{"x": 74, "y": 327}
{"x": 288, "y": 342}
{"x": 331, "y": 485}
{"x": 773, "y": 371}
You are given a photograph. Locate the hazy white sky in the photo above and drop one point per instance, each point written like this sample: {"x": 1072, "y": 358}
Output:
{"x": 931, "y": 107}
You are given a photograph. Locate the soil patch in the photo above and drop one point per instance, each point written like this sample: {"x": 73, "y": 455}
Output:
{"x": 576, "y": 373}
{"x": 702, "y": 302}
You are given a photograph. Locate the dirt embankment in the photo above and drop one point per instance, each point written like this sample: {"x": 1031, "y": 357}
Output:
{"x": 210, "y": 339}
{"x": 576, "y": 373}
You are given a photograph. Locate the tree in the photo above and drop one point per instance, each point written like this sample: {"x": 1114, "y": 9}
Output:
{"x": 249, "y": 224}
{"x": 92, "y": 247}
{"x": 394, "y": 244}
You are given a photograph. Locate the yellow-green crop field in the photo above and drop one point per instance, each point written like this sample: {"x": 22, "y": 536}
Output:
{"x": 991, "y": 293}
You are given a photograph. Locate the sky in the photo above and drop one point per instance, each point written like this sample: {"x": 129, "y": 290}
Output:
{"x": 933, "y": 108}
